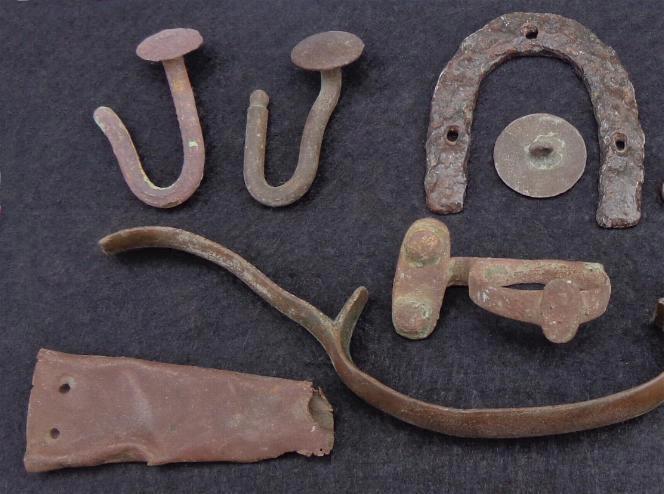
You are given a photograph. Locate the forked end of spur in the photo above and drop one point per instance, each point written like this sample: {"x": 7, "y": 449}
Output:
{"x": 349, "y": 314}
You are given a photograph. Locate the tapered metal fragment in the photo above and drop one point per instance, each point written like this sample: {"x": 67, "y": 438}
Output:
{"x": 88, "y": 410}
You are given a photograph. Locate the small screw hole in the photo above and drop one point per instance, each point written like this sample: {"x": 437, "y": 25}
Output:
{"x": 452, "y": 135}
{"x": 530, "y": 32}
{"x": 54, "y": 433}
{"x": 64, "y": 388}
{"x": 620, "y": 142}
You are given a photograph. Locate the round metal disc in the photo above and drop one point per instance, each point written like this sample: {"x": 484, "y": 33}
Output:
{"x": 326, "y": 51}
{"x": 540, "y": 155}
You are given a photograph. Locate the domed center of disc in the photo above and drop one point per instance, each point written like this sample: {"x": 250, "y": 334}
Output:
{"x": 545, "y": 152}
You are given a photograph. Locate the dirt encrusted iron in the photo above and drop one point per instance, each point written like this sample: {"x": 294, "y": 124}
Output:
{"x": 621, "y": 139}
{"x": 574, "y": 292}
{"x": 334, "y": 335}
{"x": 88, "y": 410}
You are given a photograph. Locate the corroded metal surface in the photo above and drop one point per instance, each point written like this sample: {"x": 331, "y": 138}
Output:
{"x": 169, "y": 47}
{"x": 573, "y": 293}
{"x": 88, "y": 410}
{"x": 540, "y": 155}
{"x": 621, "y": 138}
{"x": 325, "y": 52}
{"x": 421, "y": 278}
{"x": 335, "y": 334}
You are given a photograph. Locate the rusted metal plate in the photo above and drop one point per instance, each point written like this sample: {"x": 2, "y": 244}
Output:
{"x": 325, "y": 52}
{"x": 335, "y": 336}
{"x": 540, "y": 155}
{"x": 621, "y": 138}
{"x": 88, "y": 410}
{"x": 573, "y": 292}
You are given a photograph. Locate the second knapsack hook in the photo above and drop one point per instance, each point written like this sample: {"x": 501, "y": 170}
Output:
{"x": 325, "y": 52}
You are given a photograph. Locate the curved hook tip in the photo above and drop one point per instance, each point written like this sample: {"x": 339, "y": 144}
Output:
{"x": 101, "y": 114}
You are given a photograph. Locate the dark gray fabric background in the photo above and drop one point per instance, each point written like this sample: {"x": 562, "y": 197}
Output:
{"x": 62, "y": 190}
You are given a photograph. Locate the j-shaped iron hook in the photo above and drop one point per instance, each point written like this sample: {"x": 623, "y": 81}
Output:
{"x": 327, "y": 53}
{"x": 169, "y": 47}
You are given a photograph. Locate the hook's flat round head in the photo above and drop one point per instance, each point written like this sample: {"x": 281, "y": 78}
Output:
{"x": 540, "y": 155}
{"x": 169, "y": 44}
{"x": 327, "y": 51}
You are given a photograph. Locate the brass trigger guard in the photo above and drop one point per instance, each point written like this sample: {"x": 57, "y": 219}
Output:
{"x": 335, "y": 335}
{"x": 574, "y": 292}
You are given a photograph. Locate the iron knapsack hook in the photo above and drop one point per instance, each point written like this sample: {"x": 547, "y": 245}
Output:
{"x": 327, "y": 53}
{"x": 169, "y": 47}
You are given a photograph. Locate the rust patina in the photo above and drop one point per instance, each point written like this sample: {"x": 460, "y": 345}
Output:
{"x": 573, "y": 292}
{"x": 621, "y": 139}
{"x": 334, "y": 335}
{"x": 89, "y": 410}
{"x": 169, "y": 47}
{"x": 327, "y": 53}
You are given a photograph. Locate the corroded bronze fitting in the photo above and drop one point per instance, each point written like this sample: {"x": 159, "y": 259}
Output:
{"x": 621, "y": 139}
{"x": 574, "y": 292}
{"x": 334, "y": 335}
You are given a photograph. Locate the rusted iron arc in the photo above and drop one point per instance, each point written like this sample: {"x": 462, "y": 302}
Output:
{"x": 169, "y": 47}
{"x": 335, "y": 335}
{"x": 621, "y": 139}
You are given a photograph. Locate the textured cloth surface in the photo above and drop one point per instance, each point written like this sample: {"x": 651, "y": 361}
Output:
{"x": 62, "y": 190}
